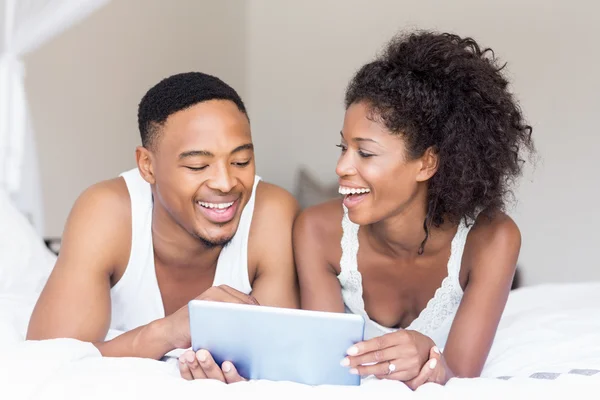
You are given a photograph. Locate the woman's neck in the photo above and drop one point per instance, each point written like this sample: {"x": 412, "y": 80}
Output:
{"x": 400, "y": 235}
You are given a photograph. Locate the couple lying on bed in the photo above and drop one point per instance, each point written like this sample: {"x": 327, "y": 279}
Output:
{"x": 430, "y": 140}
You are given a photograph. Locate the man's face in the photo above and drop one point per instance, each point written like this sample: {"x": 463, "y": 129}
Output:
{"x": 203, "y": 164}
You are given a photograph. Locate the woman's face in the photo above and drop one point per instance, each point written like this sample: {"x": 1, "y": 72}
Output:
{"x": 376, "y": 177}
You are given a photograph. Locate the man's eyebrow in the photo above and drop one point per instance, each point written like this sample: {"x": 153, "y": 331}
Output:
{"x": 205, "y": 153}
{"x": 247, "y": 146}
{"x": 195, "y": 153}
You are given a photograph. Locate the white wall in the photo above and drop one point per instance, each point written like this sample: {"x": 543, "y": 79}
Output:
{"x": 86, "y": 84}
{"x": 301, "y": 54}
{"x": 291, "y": 60}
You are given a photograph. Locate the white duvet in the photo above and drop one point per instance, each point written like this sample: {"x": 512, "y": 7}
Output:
{"x": 546, "y": 330}
{"x": 547, "y": 345}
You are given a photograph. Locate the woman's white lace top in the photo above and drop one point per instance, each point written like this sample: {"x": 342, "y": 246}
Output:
{"x": 436, "y": 319}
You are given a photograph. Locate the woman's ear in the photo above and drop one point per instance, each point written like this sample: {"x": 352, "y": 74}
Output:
{"x": 144, "y": 162}
{"x": 429, "y": 163}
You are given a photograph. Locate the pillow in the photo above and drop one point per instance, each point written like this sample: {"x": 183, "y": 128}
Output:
{"x": 25, "y": 264}
{"x": 310, "y": 192}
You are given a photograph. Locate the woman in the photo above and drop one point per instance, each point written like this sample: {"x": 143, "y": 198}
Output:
{"x": 430, "y": 142}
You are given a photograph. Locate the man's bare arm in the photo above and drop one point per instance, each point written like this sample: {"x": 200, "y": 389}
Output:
{"x": 75, "y": 302}
{"x": 275, "y": 283}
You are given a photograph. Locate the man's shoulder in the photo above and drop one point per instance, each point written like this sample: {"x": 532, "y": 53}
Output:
{"x": 103, "y": 209}
{"x": 274, "y": 209}
{"x": 272, "y": 197}
{"x": 110, "y": 196}
{"x": 98, "y": 228}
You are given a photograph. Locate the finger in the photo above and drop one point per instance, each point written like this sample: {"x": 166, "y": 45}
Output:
{"x": 400, "y": 369}
{"x": 427, "y": 371}
{"x": 193, "y": 365}
{"x": 378, "y": 343}
{"x": 245, "y": 298}
{"x": 218, "y": 294}
{"x": 209, "y": 366}
{"x": 184, "y": 370}
{"x": 231, "y": 373}
{"x": 373, "y": 357}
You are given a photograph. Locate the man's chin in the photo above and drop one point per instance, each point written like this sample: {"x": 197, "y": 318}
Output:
{"x": 213, "y": 242}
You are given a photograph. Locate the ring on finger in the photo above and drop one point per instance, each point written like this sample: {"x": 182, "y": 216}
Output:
{"x": 391, "y": 368}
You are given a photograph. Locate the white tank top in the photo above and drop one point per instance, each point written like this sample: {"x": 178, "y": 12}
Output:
{"x": 436, "y": 319}
{"x": 136, "y": 298}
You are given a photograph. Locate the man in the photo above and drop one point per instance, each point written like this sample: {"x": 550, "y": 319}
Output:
{"x": 191, "y": 221}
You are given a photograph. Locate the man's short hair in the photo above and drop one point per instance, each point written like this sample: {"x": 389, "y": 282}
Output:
{"x": 177, "y": 93}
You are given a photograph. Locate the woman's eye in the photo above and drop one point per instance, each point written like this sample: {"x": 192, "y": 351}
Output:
{"x": 241, "y": 164}
{"x": 364, "y": 155}
{"x": 196, "y": 168}
{"x": 341, "y": 146}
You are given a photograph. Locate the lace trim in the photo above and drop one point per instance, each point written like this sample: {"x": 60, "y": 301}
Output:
{"x": 349, "y": 277}
{"x": 442, "y": 305}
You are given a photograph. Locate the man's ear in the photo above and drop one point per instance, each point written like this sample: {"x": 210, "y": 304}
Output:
{"x": 429, "y": 163}
{"x": 143, "y": 158}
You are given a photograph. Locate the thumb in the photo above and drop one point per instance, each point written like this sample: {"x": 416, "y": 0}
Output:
{"x": 231, "y": 373}
{"x": 427, "y": 370}
{"x": 434, "y": 354}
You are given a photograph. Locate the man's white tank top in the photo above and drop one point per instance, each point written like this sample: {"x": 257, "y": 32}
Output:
{"x": 136, "y": 298}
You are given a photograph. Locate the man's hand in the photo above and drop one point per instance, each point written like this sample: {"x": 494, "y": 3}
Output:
{"x": 177, "y": 325}
{"x": 201, "y": 365}
{"x": 399, "y": 355}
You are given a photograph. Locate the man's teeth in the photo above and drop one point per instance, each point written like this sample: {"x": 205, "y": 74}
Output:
{"x": 346, "y": 190}
{"x": 216, "y": 205}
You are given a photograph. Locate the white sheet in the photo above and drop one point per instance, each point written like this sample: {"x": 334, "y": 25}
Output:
{"x": 548, "y": 328}
{"x": 544, "y": 329}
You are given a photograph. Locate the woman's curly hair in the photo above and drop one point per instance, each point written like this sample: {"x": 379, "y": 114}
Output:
{"x": 445, "y": 92}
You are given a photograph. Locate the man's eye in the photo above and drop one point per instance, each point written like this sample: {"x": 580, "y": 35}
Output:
{"x": 241, "y": 164}
{"x": 196, "y": 168}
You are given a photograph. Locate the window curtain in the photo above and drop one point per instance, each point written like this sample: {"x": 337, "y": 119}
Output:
{"x": 26, "y": 25}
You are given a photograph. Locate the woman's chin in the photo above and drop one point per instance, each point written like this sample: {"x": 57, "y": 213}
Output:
{"x": 360, "y": 217}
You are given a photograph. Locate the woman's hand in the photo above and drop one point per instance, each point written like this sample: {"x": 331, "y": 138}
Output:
{"x": 400, "y": 355}
{"x": 435, "y": 370}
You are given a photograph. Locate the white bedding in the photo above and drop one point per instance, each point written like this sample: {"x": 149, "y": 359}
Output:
{"x": 550, "y": 332}
{"x": 545, "y": 329}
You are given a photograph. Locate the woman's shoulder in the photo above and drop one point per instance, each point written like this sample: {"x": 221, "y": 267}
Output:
{"x": 322, "y": 221}
{"x": 495, "y": 227}
{"x": 494, "y": 236}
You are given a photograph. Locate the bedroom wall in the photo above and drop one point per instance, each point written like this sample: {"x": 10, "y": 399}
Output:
{"x": 301, "y": 54}
{"x": 291, "y": 61}
{"x": 85, "y": 85}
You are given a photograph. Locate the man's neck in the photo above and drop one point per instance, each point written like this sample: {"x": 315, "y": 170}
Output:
{"x": 176, "y": 248}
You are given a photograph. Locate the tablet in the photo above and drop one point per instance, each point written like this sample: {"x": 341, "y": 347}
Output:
{"x": 277, "y": 344}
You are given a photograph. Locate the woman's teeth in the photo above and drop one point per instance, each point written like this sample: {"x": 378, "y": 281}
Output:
{"x": 346, "y": 190}
{"x": 216, "y": 205}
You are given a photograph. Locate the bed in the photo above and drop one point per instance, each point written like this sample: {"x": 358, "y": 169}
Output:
{"x": 547, "y": 345}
